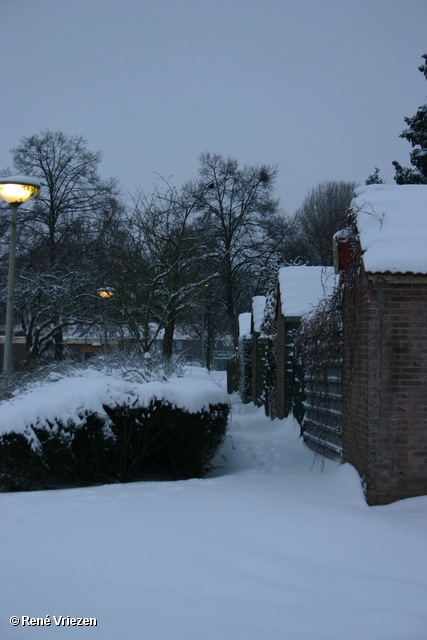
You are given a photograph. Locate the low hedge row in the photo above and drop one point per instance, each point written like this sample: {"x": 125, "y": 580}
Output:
{"x": 158, "y": 441}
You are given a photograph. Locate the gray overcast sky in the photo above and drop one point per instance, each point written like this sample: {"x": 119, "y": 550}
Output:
{"x": 318, "y": 87}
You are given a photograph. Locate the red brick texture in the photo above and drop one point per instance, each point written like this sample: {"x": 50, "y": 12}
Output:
{"x": 385, "y": 385}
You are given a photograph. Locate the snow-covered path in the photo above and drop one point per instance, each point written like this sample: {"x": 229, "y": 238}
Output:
{"x": 269, "y": 546}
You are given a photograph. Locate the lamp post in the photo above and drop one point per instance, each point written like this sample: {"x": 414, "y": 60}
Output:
{"x": 106, "y": 294}
{"x": 206, "y": 285}
{"x": 14, "y": 190}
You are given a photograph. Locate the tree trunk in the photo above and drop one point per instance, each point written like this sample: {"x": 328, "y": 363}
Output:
{"x": 59, "y": 345}
{"x": 209, "y": 336}
{"x": 168, "y": 337}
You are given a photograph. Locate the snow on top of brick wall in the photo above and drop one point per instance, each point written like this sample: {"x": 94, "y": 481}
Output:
{"x": 302, "y": 288}
{"x": 258, "y": 306}
{"x": 245, "y": 324}
{"x": 392, "y": 225}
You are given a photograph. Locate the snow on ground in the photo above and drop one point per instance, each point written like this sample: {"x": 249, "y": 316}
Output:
{"x": 269, "y": 546}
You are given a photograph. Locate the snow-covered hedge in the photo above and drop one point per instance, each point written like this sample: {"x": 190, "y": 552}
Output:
{"x": 94, "y": 427}
{"x": 245, "y": 358}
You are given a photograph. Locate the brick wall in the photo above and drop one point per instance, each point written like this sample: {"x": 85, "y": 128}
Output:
{"x": 385, "y": 385}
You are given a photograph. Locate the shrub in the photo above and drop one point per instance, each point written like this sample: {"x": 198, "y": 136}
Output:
{"x": 245, "y": 354}
{"x": 158, "y": 441}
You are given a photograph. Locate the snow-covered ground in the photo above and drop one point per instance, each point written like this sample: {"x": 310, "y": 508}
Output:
{"x": 269, "y": 546}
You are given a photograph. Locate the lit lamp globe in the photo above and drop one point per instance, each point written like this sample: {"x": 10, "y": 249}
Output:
{"x": 106, "y": 293}
{"x": 15, "y": 190}
{"x": 18, "y": 189}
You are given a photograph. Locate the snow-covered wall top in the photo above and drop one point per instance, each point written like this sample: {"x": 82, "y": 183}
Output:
{"x": 258, "y": 306}
{"x": 245, "y": 324}
{"x": 302, "y": 288}
{"x": 392, "y": 225}
{"x": 71, "y": 397}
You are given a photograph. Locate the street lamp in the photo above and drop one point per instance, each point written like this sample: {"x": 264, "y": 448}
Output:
{"x": 14, "y": 190}
{"x": 206, "y": 285}
{"x": 106, "y": 294}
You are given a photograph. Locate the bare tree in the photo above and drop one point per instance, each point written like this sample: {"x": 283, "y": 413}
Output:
{"x": 59, "y": 232}
{"x": 45, "y": 306}
{"x": 322, "y": 213}
{"x": 164, "y": 272}
{"x": 71, "y": 190}
{"x": 238, "y": 205}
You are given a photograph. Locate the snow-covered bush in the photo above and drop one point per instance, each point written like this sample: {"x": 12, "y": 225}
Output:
{"x": 93, "y": 426}
{"x": 128, "y": 362}
{"x": 268, "y": 339}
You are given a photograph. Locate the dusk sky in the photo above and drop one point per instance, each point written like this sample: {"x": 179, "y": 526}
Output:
{"x": 319, "y": 88}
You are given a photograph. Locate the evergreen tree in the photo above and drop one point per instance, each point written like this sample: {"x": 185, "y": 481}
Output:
{"x": 416, "y": 134}
{"x": 374, "y": 178}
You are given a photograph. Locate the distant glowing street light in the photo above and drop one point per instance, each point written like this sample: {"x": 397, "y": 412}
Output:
{"x": 14, "y": 190}
{"x": 106, "y": 294}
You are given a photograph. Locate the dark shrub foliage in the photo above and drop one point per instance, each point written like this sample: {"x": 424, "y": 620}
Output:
{"x": 159, "y": 441}
{"x": 245, "y": 351}
{"x": 232, "y": 375}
